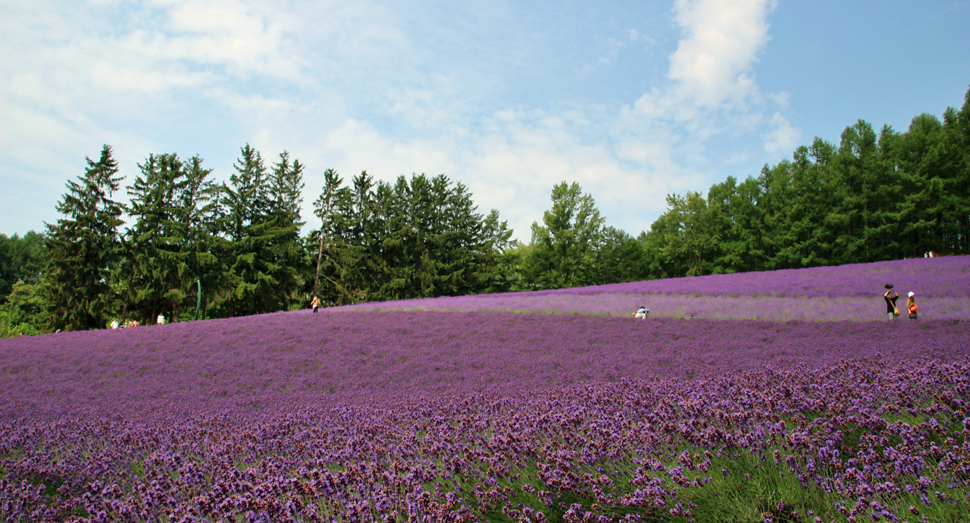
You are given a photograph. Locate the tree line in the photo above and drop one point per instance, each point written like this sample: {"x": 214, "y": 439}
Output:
{"x": 875, "y": 196}
{"x": 187, "y": 246}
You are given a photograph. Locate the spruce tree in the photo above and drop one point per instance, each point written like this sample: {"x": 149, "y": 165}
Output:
{"x": 168, "y": 248}
{"x": 83, "y": 246}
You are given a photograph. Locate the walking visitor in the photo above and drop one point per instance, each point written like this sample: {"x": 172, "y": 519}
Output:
{"x": 911, "y": 306}
{"x": 315, "y": 303}
{"x": 891, "y": 296}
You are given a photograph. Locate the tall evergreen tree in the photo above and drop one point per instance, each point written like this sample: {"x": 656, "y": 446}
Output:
{"x": 83, "y": 246}
{"x": 261, "y": 222}
{"x": 168, "y": 248}
{"x": 246, "y": 204}
{"x": 281, "y": 232}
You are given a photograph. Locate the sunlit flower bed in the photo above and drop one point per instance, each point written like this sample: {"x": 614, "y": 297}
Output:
{"x": 487, "y": 417}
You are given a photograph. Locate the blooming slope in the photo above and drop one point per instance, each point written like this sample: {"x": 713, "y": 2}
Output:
{"x": 847, "y": 292}
{"x": 369, "y": 415}
{"x": 378, "y": 357}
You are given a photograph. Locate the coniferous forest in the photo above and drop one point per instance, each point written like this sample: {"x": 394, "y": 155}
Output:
{"x": 188, "y": 246}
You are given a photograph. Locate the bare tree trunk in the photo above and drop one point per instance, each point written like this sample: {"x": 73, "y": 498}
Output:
{"x": 316, "y": 280}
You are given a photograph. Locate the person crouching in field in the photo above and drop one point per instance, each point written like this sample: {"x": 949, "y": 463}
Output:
{"x": 911, "y": 306}
{"x": 891, "y": 296}
{"x": 641, "y": 313}
{"x": 315, "y": 303}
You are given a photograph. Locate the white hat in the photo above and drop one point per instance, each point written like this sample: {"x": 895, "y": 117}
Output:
{"x": 911, "y": 294}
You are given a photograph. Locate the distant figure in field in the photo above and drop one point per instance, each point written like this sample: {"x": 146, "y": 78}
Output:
{"x": 114, "y": 324}
{"x": 315, "y": 303}
{"x": 891, "y": 296}
{"x": 160, "y": 320}
{"x": 911, "y": 306}
{"x": 641, "y": 313}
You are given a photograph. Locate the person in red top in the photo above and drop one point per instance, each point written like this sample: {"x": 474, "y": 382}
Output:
{"x": 911, "y": 306}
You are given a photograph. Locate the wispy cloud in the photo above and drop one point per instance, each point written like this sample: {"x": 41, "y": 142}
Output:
{"x": 373, "y": 85}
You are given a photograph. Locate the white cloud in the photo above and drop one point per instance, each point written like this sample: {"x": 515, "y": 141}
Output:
{"x": 711, "y": 69}
{"x": 350, "y": 85}
{"x": 722, "y": 40}
{"x": 783, "y": 137}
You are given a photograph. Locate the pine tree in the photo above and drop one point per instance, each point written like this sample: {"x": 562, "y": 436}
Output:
{"x": 83, "y": 246}
{"x": 246, "y": 205}
{"x": 283, "y": 252}
{"x": 169, "y": 246}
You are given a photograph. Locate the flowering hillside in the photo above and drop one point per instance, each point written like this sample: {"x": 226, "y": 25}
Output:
{"x": 371, "y": 415}
{"x": 847, "y": 292}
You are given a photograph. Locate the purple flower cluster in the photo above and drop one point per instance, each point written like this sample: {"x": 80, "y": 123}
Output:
{"x": 859, "y": 438}
{"x": 430, "y": 416}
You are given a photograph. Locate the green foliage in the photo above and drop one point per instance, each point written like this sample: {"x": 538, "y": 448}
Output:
{"x": 874, "y": 197}
{"x": 83, "y": 246}
{"x": 25, "y": 312}
{"x": 21, "y": 259}
{"x": 564, "y": 247}
{"x": 260, "y": 247}
{"x": 174, "y": 207}
{"x": 420, "y": 237}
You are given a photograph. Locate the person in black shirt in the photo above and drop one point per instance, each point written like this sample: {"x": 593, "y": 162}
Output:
{"x": 891, "y": 296}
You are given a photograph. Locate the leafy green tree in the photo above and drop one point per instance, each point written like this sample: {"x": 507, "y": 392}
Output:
{"x": 25, "y": 312}
{"x": 83, "y": 246}
{"x": 919, "y": 160}
{"x": 419, "y": 237}
{"x": 619, "y": 258}
{"x": 261, "y": 248}
{"x": 22, "y": 258}
{"x": 815, "y": 194}
{"x": 246, "y": 204}
{"x": 739, "y": 219}
{"x": 684, "y": 240}
{"x": 565, "y": 245}
{"x": 955, "y": 230}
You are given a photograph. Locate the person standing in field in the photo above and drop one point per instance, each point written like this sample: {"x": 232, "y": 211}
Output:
{"x": 315, "y": 303}
{"x": 641, "y": 313}
{"x": 891, "y": 296}
{"x": 911, "y": 306}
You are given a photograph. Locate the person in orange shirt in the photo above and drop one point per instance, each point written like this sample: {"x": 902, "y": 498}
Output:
{"x": 911, "y": 306}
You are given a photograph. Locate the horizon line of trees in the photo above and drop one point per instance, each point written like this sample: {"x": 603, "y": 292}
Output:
{"x": 873, "y": 197}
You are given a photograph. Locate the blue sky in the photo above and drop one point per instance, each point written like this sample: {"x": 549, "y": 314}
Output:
{"x": 632, "y": 100}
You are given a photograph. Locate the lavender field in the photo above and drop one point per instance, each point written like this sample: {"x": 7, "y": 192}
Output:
{"x": 847, "y": 292}
{"x": 357, "y": 414}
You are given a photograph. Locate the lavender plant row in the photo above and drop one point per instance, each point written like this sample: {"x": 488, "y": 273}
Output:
{"x": 947, "y": 276}
{"x": 858, "y": 440}
{"x": 259, "y": 362}
{"x": 684, "y": 306}
{"x": 479, "y": 416}
{"x": 846, "y": 292}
